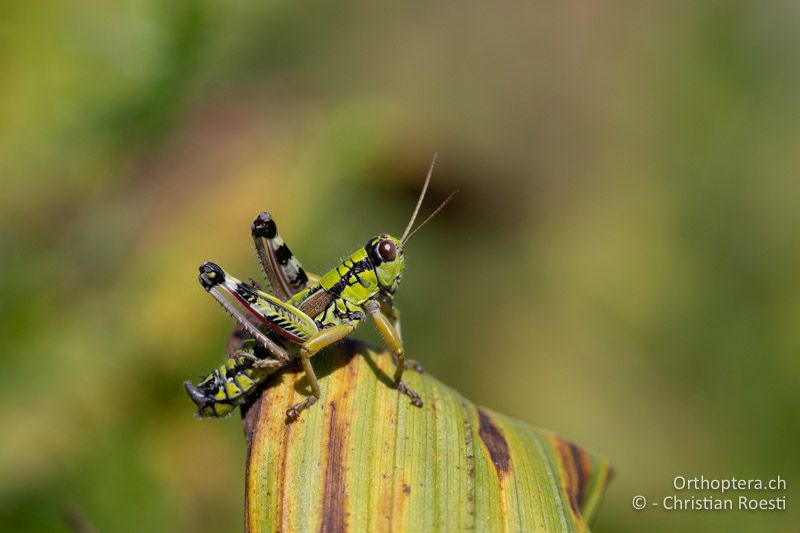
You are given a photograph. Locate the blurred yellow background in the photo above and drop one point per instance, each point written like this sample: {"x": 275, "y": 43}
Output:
{"x": 621, "y": 265}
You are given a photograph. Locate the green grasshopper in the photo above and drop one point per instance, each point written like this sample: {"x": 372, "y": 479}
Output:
{"x": 304, "y": 310}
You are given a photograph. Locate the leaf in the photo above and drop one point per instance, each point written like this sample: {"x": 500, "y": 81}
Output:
{"x": 363, "y": 458}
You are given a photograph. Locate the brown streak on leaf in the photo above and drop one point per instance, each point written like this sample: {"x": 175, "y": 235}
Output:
{"x": 469, "y": 449}
{"x": 334, "y": 498}
{"x": 249, "y": 421}
{"x": 570, "y": 459}
{"x": 583, "y": 468}
{"x": 284, "y": 462}
{"x": 495, "y": 442}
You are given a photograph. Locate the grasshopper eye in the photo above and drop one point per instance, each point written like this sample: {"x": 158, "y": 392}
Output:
{"x": 387, "y": 250}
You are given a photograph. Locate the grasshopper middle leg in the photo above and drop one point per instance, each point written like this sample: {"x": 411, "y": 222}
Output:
{"x": 324, "y": 338}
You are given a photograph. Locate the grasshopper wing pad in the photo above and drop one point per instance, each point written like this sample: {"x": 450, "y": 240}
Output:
{"x": 282, "y": 318}
{"x": 281, "y": 267}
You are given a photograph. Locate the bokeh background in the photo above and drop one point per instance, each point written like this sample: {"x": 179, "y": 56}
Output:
{"x": 621, "y": 265}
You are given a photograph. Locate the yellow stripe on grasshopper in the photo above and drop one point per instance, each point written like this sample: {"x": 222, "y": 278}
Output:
{"x": 245, "y": 383}
{"x": 232, "y": 391}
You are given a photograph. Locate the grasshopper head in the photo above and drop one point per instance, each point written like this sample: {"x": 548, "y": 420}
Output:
{"x": 386, "y": 254}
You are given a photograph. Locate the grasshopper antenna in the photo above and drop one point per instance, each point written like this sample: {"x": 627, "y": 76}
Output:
{"x": 421, "y": 197}
{"x": 405, "y": 239}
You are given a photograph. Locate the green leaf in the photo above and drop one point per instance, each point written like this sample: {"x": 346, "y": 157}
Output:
{"x": 363, "y": 458}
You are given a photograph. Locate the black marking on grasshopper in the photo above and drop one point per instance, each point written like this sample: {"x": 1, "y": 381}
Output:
{"x": 264, "y": 226}
{"x": 372, "y": 252}
{"x": 210, "y": 275}
{"x": 282, "y": 269}
{"x": 351, "y": 313}
{"x": 301, "y": 278}
{"x": 283, "y": 254}
{"x": 247, "y": 293}
{"x": 350, "y": 276}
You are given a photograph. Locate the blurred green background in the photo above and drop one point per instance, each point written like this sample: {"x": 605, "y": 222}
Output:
{"x": 628, "y": 222}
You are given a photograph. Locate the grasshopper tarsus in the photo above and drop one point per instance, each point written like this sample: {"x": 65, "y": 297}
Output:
{"x": 416, "y": 401}
{"x": 268, "y": 363}
{"x": 293, "y": 413}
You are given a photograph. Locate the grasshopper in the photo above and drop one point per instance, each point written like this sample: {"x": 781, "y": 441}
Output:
{"x": 304, "y": 310}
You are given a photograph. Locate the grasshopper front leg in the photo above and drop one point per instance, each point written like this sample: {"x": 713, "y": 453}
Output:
{"x": 391, "y": 312}
{"x": 324, "y": 338}
{"x": 392, "y": 338}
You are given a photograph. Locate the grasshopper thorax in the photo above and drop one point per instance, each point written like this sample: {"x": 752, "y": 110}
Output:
{"x": 386, "y": 254}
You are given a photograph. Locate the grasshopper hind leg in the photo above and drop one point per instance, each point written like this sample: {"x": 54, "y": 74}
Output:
{"x": 281, "y": 268}
{"x": 211, "y": 278}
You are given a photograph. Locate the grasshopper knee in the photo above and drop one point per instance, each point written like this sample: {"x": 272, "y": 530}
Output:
{"x": 264, "y": 226}
{"x": 211, "y": 274}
